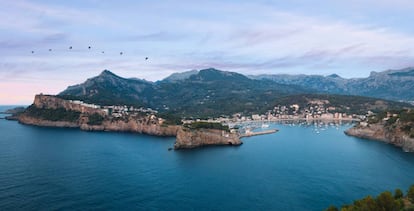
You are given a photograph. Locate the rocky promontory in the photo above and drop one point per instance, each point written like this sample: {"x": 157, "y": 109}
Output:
{"x": 13, "y": 113}
{"x": 191, "y": 138}
{"x": 396, "y": 129}
{"x": 52, "y": 111}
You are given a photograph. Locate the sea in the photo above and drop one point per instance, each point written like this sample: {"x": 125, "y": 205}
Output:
{"x": 301, "y": 167}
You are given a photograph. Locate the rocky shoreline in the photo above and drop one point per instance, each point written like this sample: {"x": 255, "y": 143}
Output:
{"x": 185, "y": 138}
{"x": 381, "y": 132}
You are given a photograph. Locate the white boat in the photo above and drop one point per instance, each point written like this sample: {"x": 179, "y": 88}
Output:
{"x": 265, "y": 125}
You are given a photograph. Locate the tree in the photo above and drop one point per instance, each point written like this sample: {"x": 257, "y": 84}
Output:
{"x": 332, "y": 208}
{"x": 386, "y": 201}
{"x": 410, "y": 193}
{"x": 367, "y": 203}
{"x": 383, "y": 202}
{"x": 398, "y": 194}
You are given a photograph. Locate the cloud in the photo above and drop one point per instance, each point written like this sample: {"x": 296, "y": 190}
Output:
{"x": 387, "y": 4}
{"x": 31, "y": 17}
{"x": 56, "y": 37}
{"x": 246, "y": 36}
{"x": 160, "y": 36}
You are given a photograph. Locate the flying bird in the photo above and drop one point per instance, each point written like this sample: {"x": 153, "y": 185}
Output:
{"x": 121, "y": 53}
{"x": 70, "y": 47}
{"x": 32, "y": 51}
{"x": 146, "y": 58}
{"x": 50, "y": 49}
{"x": 103, "y": 51}
{"x": 89, "y": 47}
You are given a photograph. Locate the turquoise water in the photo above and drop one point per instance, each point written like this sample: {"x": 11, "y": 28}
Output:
{"x": 294, "y": 169}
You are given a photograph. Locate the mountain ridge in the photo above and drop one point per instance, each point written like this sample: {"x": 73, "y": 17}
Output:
{"x": 211, "y": 92}
{"x": 389, "y": 84}
{"x": 200, "y": 93}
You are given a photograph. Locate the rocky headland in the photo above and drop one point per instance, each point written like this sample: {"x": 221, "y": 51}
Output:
{"x": 192, "y": 138}
{"x": 51, "y": 111}
{"x": 13, "y": 113}
{"x": 396, "y": 129}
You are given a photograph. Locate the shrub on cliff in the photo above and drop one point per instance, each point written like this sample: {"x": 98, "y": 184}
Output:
{"x": 170, "y": 119}
{"x": 207, "y": 125}
{"x": 407, "y": 116}
{"x": 59, "y": 114}
{"x": 95, "y": 119}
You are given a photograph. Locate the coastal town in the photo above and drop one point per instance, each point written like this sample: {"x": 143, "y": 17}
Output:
{"x": 115, "y": 110}
{"x": 315, "y": 110}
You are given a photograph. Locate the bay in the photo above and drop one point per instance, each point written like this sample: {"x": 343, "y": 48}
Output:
{"x": 302, "y": 167}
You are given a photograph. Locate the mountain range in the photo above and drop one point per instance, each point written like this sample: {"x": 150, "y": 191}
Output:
{"x": 212, "y": 92}
{"x": 392, "y": 84}
{"x": 207, "y": 92}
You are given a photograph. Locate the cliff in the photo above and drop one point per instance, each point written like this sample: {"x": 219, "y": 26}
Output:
{"x": 52, "y": 102}
{"x": 191, "y": 138}
{"x": 51, "y": 111}
{"x": 46, "y": 108}
{"x": 133, "y": 125}
{"x": 29, "y": 120}
{"x": 392, "y": 134}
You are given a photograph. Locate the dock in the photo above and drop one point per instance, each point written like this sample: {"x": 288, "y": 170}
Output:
{"x": 249, "y": 134}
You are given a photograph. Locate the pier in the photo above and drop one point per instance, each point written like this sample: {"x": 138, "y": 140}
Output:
{"x": 249, "y": 133}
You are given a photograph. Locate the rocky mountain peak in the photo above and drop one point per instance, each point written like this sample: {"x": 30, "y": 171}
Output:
{"x": 180, "y": 76}
{"x": 212, "y": 74}
{"x": 107, "y": 73}
{"x": 333, "y": 76}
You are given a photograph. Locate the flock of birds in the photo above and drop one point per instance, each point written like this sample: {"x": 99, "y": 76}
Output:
{"x": 89, "y": 48}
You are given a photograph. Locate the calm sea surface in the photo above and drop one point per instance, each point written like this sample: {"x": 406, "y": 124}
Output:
{"x": 298, "y": 168}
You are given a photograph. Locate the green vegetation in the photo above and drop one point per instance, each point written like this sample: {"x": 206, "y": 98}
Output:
{"x": 376, "y": 118}
{"x": 384, "y": 202}
{"x": 345, "y": 103}
{"x": 207, "y": 125}
{"x": 410, "y": 194}
{"x": 95, "y": 119}
{"x": 401, "y": 119}
{"x": 407, "y": 116}
{"x": 407, "y": 119}
{"x": 398, "y": 194}
{"x": 391, "y": 120}
{"x": 59, "y": 114}
{"x": 170, "y": 119}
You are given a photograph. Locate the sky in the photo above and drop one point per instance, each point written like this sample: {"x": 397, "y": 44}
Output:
{"x": 348, "y": 37}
